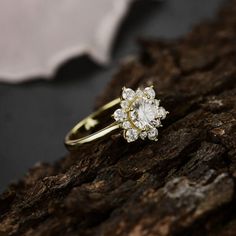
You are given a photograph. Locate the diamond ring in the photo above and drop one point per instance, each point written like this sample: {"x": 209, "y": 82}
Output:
{"x": 139, "y": 116}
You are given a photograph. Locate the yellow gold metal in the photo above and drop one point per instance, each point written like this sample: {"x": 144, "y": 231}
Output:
{"x": 87, "y": 124}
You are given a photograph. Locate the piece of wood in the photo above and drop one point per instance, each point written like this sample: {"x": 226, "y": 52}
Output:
{"x": 184, "y": 184}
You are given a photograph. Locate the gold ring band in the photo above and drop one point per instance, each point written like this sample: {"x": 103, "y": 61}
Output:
{"x": 87, "y": 124}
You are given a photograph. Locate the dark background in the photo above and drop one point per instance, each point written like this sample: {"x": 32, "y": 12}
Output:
{"x": 35, "y": 116}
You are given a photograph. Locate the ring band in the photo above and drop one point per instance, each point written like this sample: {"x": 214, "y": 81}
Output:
{"x": 139, "y": 116}
{"x": 89, "y": 123}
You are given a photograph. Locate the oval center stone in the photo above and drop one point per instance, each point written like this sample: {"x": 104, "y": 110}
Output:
{"x": 145, "y": 112}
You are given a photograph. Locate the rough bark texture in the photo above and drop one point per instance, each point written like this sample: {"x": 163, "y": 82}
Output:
{"x": 184, "y": 184}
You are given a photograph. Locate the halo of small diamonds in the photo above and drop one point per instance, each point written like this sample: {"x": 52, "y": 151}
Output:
{"x": 140, "y": 114}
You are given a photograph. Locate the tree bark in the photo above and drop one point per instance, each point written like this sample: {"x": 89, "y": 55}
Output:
{"x": 184, "y": 184}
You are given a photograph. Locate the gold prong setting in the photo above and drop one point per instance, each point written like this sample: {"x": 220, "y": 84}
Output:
{"x": 140, "y": 114}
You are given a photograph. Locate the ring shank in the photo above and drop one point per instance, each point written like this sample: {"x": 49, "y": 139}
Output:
{"x": 87, "y": 124}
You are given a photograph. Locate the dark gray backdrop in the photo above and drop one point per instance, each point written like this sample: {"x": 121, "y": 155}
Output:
{"x": 35, "y": 116}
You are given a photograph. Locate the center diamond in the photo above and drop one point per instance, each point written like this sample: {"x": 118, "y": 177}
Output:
{"x": 144, "y": 113}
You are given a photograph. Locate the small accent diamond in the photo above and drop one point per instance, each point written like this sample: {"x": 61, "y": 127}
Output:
{"x": 157, "y": 102}
{"x": 152, "y": 134}
{"x": 126, "y": 125}
{"x": 128, "y": 93}
{"x": 119, "y": 115}
{"x": 133, "y": 115}
{"x": 139, "y": 93}
{"x": 161, "y": 113}
{"x": 140, "y": 125}
{"x": 149, "y": 91}
{"x": 124, "y": 104}
{"x": 131, "y": 135}
{"x": 143, "y": 135}
{"x": 156, "y": 123}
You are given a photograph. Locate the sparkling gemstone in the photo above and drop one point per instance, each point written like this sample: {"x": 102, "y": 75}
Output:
{"x": 152, "y": 134}
{"x": 139, "y": 93}
{"x": 133, "y": 115}
{"x": 149, "y": 91}
{"x": 143, "y": 135}
{"x": 126, "y": 125}
{"x": 161, "y": 113}
{"x": 119, "y": 115}
{"x": 131, "y": 135}
{"x": 140, "y": 114}
{"x": 156, "y": 123}
{"x": 139, "y": 125}
{"x": 146, "y": 112}
{"x": 128, "y": 94}
{"x": 124, "y": 104}
{"x": 157, "y": 102}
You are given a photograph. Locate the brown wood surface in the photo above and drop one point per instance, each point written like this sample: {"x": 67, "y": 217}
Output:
{"x": 184, "y": 184}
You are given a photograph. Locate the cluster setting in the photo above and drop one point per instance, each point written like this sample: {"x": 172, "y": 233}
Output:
{"x": 140, "y": 114}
